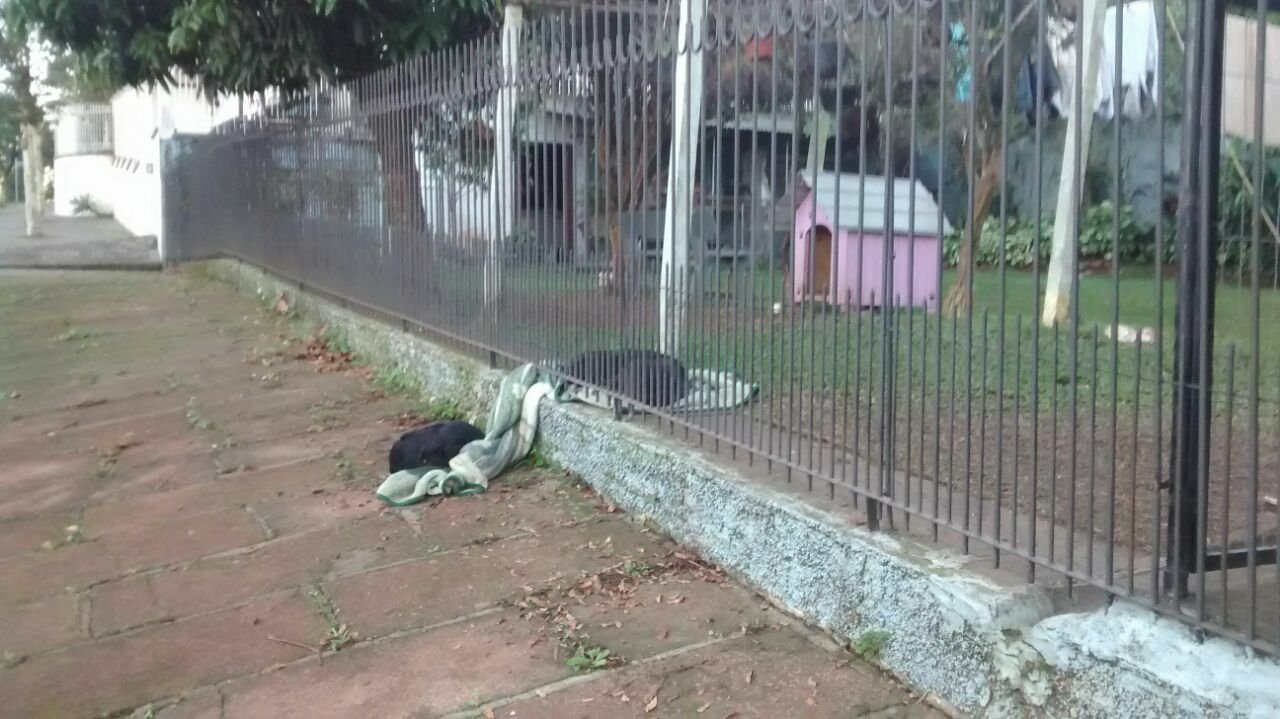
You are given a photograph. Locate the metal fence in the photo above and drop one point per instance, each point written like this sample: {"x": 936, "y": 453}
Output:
{"x": 83, "y": 129}
{"x": 998, "y": 275}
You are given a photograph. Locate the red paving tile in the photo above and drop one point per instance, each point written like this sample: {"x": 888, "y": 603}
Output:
{"x": 435, "y": 588}
{"x": 41, "y": 574}
{"x": 131, "y": 481}
{"x": 40, "y": 486}
{"x": 192, "y": 585}
{"x": 183, "y": 539}
{"x": 324, "y": 506}
{"x": 427, "y": 674}
{"x": 768, "y": 675}
{"x": 22, "y": 536}
{"x": 213, "y": 583}
{"x": 100, "y": 677}
{"x": 50, "y": 622}
{"x": 207, "y": 491}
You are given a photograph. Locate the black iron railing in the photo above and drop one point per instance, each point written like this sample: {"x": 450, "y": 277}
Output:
{"x": 978, "y": 264}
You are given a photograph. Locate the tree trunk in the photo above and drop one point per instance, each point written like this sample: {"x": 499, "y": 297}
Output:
{"x": 959, "y": 298}
{"x": 32, "y": 166}
{"x": 617, "y": 267}
{"x": 404, "y": 217}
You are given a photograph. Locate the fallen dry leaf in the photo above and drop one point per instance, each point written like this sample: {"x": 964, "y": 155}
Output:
{"x": 653, "y": 704}
{"x": 704, "y": 707}
{"x": 751, "y": 674}
{"x": 282, "y": 305}
{"x": 488, "y": 713}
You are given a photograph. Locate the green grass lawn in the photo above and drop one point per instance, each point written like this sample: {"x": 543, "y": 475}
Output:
{"x": 1140, "y": 305}
{"x": 814, "y": 348}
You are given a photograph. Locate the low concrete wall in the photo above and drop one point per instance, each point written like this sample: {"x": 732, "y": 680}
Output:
{"x": 982, "y": 649}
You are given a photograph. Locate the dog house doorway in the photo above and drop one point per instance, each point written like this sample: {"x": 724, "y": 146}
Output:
{"x": 819, "y": 275}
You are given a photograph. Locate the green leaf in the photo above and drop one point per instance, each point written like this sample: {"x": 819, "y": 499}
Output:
{"x": 249, "y": 44}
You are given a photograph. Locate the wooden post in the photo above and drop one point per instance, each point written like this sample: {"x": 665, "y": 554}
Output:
{"x": 504, "y": 153}
{"x": 1059, "y": 284}
{"x": 686, "y": 128}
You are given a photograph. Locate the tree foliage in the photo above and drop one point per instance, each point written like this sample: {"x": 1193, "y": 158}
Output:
{"x": 69, "y": 80}
{"x": 247, "y": 46}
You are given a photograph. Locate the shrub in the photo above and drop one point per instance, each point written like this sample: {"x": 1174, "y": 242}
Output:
{"x": 1098, "y": 226}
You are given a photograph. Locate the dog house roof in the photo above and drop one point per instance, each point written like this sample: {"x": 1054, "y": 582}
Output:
{"x": 861, "y": 203}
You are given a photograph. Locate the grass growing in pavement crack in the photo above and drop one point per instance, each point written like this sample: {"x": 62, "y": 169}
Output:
{"x": 538, "y": 460}
{"x": 338, "y": 635}
{"x": 589, "y": 658}
{"x": 108, "y": 457}
{"x": 636, "y": 569}
{"x": 870, "y": 644}
{"x": 75, "y": 334}
{"x": 344, "y": 470}
{"x": 73, "y": 534}
{"x": 397, "y": 381}
{"x": 195, "y": 420}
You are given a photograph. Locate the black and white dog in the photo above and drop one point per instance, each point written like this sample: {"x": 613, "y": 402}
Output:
{"x": 432, "y": 446}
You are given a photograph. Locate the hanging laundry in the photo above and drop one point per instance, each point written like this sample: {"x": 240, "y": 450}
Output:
{"x": 1136, "y": 62}
{"x": 1060, "y": 38}
{"x": 1138, "y": 59}
{"x": 964, "y": 78}
{"x": 1029, "y": 90}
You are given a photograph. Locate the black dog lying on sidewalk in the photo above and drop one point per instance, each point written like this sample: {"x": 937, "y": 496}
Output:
{"x": 645, "y": 376}
{"x": 432, "y": 446}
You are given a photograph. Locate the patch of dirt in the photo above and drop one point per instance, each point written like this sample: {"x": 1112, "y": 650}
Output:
{"x": 324, "y": 359}
{"x": 409, "y": 420}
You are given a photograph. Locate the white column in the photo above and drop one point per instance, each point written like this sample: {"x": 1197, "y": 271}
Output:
{"x": 581, "y": 202}
{"x": 1062, "y": 262}
{"x": 686, "y": 125}
{"x": 821, "y": 132}
{"x": 503, "y": 186}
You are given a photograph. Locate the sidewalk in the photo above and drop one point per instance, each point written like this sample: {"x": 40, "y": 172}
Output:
{"x": 188, "y": 529}
{"x": 73, "y": 243}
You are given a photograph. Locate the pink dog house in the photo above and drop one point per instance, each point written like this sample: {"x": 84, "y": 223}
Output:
{"x": 840, "y": 224}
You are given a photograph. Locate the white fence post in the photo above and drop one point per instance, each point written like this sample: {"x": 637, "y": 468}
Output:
{"x": 673, "y": 297}
{"x": 503, "y": 172}
{"x": 1060, "y": 281}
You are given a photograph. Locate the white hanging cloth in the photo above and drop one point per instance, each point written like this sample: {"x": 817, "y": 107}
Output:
{"x": 1139, "y": 59}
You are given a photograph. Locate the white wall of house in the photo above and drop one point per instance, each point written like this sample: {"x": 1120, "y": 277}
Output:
{"x": 82, "y": 141}
{"x": 125, "y": 176}
{"x": 1240, "y": 80}
{"x": 468, "y": 212}
{"x": 82, "y": 175}
{"x": 143, "y": 119}
{"x": 135, "y": 183}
